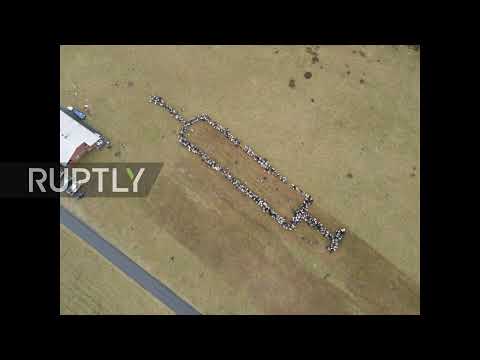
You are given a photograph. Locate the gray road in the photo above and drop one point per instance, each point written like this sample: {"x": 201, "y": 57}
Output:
{"x": 125, "y": 264}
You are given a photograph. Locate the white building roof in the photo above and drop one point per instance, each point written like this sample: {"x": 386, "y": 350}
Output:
{"x": 72, "y": 135}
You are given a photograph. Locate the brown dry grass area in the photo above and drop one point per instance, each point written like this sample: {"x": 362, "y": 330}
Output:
{"x": 354, "y": 148}
{"x": 363, "y": 280}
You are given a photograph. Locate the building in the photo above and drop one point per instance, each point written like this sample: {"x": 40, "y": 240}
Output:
{"x": 76, "y": 139}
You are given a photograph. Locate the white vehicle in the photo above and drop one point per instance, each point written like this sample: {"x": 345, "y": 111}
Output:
{"x": 72, "y": 188}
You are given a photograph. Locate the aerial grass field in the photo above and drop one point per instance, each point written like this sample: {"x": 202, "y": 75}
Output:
{"x": 342, "y": 122}
{"x": 90, "y": 285}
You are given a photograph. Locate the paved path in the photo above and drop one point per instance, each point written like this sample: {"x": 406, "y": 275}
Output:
{"x": 125, "y": 264}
